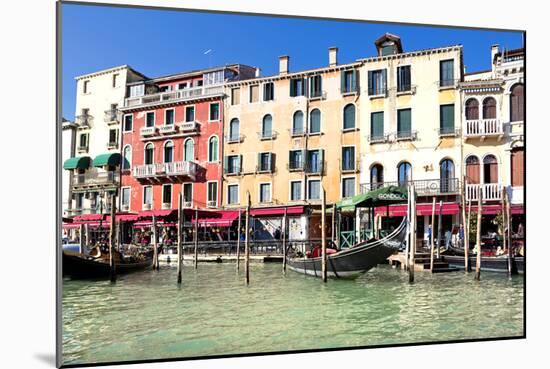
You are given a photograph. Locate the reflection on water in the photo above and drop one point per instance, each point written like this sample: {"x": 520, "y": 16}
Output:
{"x": 147, "y": 316}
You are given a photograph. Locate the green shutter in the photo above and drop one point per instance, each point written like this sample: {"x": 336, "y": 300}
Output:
{"x": 226, "y": 164}
{"x": 343, "y": 81}
{"x": 321, "y": 159}
{"x": 240, "y": 166}
{"x": 384, "y": 76}
{"x": 447, "y": 117}
{"x": 355, "y": 81}
{"x": 377, "y": 124}
{"x": 404, "y": 120}
{"x": 292, "y": 88}
{"x": 370, "y": 82}
{"x": 272, "y": 161}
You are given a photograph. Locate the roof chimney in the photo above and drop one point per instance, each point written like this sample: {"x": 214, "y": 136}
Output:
{"x": 332, "y": 56}
{"x": 257, "y": 72}
{"x": 283, "y": 64}
{"x": 494, "y": 51}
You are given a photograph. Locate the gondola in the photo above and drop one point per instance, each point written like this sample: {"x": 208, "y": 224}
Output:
{"x": 360, "y": 258}
{"x": 82, "y": 266}
{"x": 488, "y": 263}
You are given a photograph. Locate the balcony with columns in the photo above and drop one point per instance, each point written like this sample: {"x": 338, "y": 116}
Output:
{"x": 489, "y": 192}
{"x": 166, "y": 170}
{"x": 484, "y": 128}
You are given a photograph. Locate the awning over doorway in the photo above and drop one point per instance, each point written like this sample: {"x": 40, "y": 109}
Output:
{"x": 224, "y": 219}
{"x": 79, "y": 162}
{"x": 280, "y": 210}
{"x": 112, "y": 159}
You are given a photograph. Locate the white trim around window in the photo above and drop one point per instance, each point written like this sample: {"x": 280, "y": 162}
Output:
{"x": 238, "y": 193}
{"x": 318, "y": 179}
{"x": 171, "y": 194}
{"x": 219, "y": 112}
{"x": 129, "y": 188}
{"x": 208, "y": 149}
{"x": 260, "y": 192}
{"x": 185, "y": 113}
{"x": 143, "y": 195}
{"x": 154, "y": 118}
{"x": 302, "y": 190}
{"x": 192, "y": 193}
{"x": 165, "y": 112}
{"x": 124, "y": 123}
{"x": 342, "y": 186}
{"x": 208, "y": 192}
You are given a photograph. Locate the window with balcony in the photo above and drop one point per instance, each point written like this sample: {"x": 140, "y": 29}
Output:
{"x": 234, "y": 133}
{"x": 233, "y": 194}
{"x": 232, "y": 164}
{"x": 404, "y": 78}
{"x": 446, "y": 176}
{"x": 167, "y": 195}
{"x": 267, "y": 126}
{"x": 125, "y": 197}
{"x": 472, "y": 169}
{"x": 447, "y": 118}
{"x": 128, "y": 122}
{"x": 212, "y": 194}
{"x": 348, "y": 158}
{"x": 315, "y": 121}
{"x": 296, "y": 159}
{"x": 349, "y": 117}
{"x": 148, "y": 196}
{"x": 314, "y": 189}
{"x": 404, "y": 124}
{"x": 472, "y": 109}
{"x": 268, "y": 91}
{"x": 446, "y": 73}
{"x": 376, "y": 176}
{"x": 213, "y": 149}
{"x": 517, "y": 102}
{"x": 349, "y": 81}
{"x": 189, "y": 150}
{"x": 348, "y": 187}
{"x": 404, "y": 173}
{"x": 489, "y": 108}
{"x": 295, "y": 190}
{"x": 254, "y": 92}
{"x": 490, "y": 169}
{"x": 315, "y": 161}
{"x": 168, "y": 152}
{"x": 298, "y": 123}
{"x": 235, "y": 96}
{"x": 297, "y": 87}
{"x": 150, "y": 119}
{"x": 182, "y": 86}
{"x": 188, "y": 194}
{"x": 315, "y": 86}
{"x": 127, "y": 157}
{"x": 377, "y": 82}
{"x": 214, "y": 113}
{"x": 265, "y": 192}
{"x": 149, "y": 154}
{"x": 137, "y": 90}
{"x": 377, "y": 126}
{"x": 189, "y": 113}
{"x": 265, "y": 162}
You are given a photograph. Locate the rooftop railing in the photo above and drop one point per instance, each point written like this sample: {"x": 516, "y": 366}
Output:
{"x": 170, "y": 96}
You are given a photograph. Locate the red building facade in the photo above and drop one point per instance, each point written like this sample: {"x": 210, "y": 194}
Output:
{"x": 172, "y": 137}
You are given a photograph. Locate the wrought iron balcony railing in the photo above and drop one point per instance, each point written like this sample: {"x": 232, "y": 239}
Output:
{"x": 423, "y": 187}
{"x": 93, "y": 178}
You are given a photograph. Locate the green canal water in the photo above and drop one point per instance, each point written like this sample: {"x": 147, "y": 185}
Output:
{"x": 146, "y": 315}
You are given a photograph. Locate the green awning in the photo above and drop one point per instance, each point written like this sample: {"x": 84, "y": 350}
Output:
{"x": 102, "y": 160}
{"x": 80, "y": 162}
{"x": 378, "y": 197}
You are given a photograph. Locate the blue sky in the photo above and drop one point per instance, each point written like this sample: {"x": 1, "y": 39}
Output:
{"x": 159, "y": 42}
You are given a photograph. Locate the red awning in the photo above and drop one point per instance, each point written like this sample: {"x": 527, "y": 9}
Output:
{"x": 157, "y": 213}
{"x": 70, "y": 226}
{"x": 89, "y": 218}
{"x": 421, "y": 209}
{"x": 291, "y": 210}
{"x": 92, "y": 224}
{"x": 149, "y": 223}
{"x": 225, "y": 219}
{"x": 123, "y": 218}
{"x": 497, "y": 209}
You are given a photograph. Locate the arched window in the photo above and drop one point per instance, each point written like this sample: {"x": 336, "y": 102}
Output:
{"x": 349, "y": 116}
{"x": 472, "y": 109}
{"x": 168, "y": 152}
{"x": 149, "y": 154}
{"x": 298, "y": 123}
{"x": 447, "y": 175}
{"x": 472, "y": 169}
{"x": 315, "y": 121}
{"x": 516, "y": 103}
{"x": 189, "y": 150}
{"x": 376, "y": 176}
{"x": 234, "y": 132}
{"x": 404, "y": 173}
{"x": 213, "y": 148}
{"x": 267, "y": 126}
{"x": 489, "y": 108}
{"x": 127, "y": 157}
{"x": 490, "y": 169}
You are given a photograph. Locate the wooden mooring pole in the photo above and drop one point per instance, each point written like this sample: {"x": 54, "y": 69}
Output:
{"x": 412, "y": 234}
{"x": 284, "y": 239}
{"x": 478, "y": 234}
{"x": 323, "y": 237}
{"x": 155, "y": 248}
{"x": 196, "y": 238}
{"x": 81, "y": 238}
{"x": 239, "y": 225}
{"x": 439, "y": 227}
{"x": 432, "y": 238}
{"x": 467, "y": 237}
{"x": 465, "y": 228}
{"x": 112, "y": 240}
{"x": 408, "y": 244}
{"x": 247, "y": 240}
{"x": 180, "y": 236}
{"x": 508, "y": 234}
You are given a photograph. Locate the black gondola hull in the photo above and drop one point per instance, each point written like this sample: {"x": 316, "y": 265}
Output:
{"x": 80, "y": 266}
{"x": 488, "y": 263}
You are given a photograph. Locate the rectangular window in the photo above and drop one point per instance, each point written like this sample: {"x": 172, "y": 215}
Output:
{"x": 214, "y": 114}
{"x": 377, "y": 82}
{"x": 446, "y": 72}
{"x": 264, "y": 162}
{"x": 165, "y": 88}
{"x": 404, "y": 78}
{"x": 404, "y": 123}
{"x": 83, "y": 140}
{"x": 315, "y": 161}
{"x": 348, "y": 158}
{"x": 233, "y": 194}
{"x": 79, "y": 197}
{"x": 169, "y": 117}
{"x": 85, "y": 87}
{"x": 137, "y": 90}
{"x": 315, "y": 86}
{"x": 265, "y": 192}
{"x": 128, "y": 122}
{"x": 349, "y": 81}
{"x": 233, "y": 164}
{"x": 348, "y": 187}
{"x": 189, "y": 113}
{"x": 212, "y": 196}
{"x": 167, "y": 194}
{"x": 254, "y": 93}
{"x": 235, "y": 96}
{"x": 297, "y": 87}
{"x": 150, "y": 119}
{"x": 113, "y": 136}
{"x": 447, "y": 118}
{"x": 147, "y": 195}
{"x": 296, "y": 190}
{"x": 115, "y": 79}
{"x": 314, "y": 190}
{"x": 188, "y": 193}
{"x": 377, "y": 125}
{"x": 125, "y": 196}
{"x": 268, "y": 91}
{"x": 182, "y": 86}
{"x": 198, "y": 83}
{"x": 296, "y": 159}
